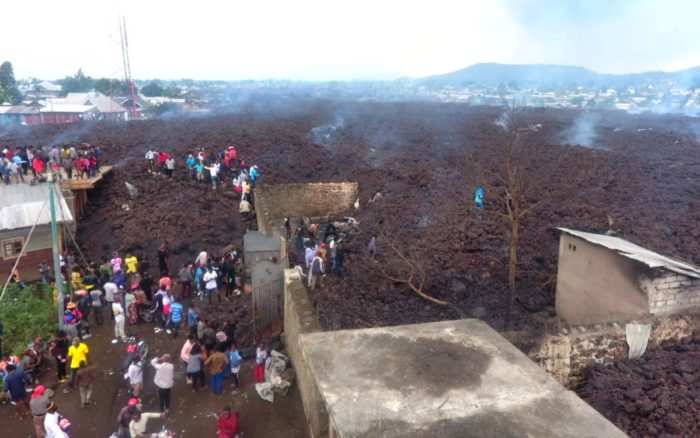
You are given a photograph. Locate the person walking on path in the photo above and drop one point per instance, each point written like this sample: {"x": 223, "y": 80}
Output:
{"x": 119, "y": 320}
{"x": 15, "y": 384}
{"x": 110, "y": 289}
{"x": 260, "y": 358}
{"x": 96, "y": 302}
{"x": 195, "y": 374}
{"x": 59, "y": 350}
{"x": 78, "y": 352}
{"x": 163, "y": 380}
{"x": 316, "y": 272}
{"x": 177, "y": 311}
{"x": 38, "y": 407}
{"x": 135, "y": 375}
{"x": 126, "y": 414}
{"x": 85, "y": 379}
{"x": 235, "y": 361}
{"x": 210, "y": 284}
{"x": 216, "y": 362}
{"x": 186, "y": 279}
{"x": 192, "y": 318}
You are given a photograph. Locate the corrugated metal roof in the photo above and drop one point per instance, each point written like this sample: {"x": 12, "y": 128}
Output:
{"x": 22, "y": 205}
{"x": 66, "y": 108}
{"x": 104, "y": 104}
{"x": 636, "y": 252}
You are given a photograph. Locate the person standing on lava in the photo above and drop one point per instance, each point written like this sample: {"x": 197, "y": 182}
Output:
{"x": 163, "y": 255}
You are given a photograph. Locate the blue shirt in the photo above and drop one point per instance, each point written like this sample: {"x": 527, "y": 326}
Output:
{"x": 190, "y": 162}
{"x": 176, "y": 311}
{"x": 192, "y": 317}
{"x": 254, "y": 174}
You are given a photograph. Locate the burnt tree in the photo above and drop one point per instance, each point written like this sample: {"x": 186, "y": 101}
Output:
{"x": 514, "y": 190}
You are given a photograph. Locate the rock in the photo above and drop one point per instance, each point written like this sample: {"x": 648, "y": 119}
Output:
{"x": 458, "y": 287}
{"x": 478, "y": 312}
{"x": 686, "y": 367}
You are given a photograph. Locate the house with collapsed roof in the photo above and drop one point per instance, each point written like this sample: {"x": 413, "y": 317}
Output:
{"x": 23, "y": 207}
{"x": 602, "y": 278}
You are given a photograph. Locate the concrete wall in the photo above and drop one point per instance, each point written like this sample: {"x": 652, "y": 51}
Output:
{"x": 275, "y": 202}
{"x": 672, "y": 293}
{"x": 595, "y": 284}
{"x": 300, "y": 318}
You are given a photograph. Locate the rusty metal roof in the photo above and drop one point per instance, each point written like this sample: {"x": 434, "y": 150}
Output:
{"x": 636, "y": 252}
{"x": 22, "y": 205}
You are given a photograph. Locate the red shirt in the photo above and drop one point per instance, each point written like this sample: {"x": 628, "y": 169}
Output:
{"x": 228, "y": 425}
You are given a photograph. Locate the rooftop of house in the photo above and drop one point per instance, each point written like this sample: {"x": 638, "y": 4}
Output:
{"x": 442, "y": 379}
{"x": 635, "y": 252}
{"x": 23, "y": 205}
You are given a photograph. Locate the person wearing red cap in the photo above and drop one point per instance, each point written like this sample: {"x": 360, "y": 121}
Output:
{"x": 37, "y": 406}
{"x": 125, "y": 416}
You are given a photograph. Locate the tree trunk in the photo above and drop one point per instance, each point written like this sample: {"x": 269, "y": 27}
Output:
{"x": 513, "y": 262}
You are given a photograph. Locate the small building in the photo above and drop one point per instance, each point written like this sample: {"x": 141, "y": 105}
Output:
{"x": 448, "y": 379}
{"x": 19, "y": 115}
{"x": 602, "y": 278}
{"x": 108, "y": 108}
{"x": 68, "y": 113}
{"x": 23, "y": 206}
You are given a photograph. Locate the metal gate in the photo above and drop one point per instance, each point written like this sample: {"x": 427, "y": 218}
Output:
{"x": 268, "y": 298}
{"x": 257, "y": 247}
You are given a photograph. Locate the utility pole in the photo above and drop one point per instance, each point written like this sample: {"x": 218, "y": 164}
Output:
{"x": 56, "y": 257}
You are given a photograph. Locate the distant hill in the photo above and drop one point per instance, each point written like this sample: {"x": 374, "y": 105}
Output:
{"x": 528, "y": 75}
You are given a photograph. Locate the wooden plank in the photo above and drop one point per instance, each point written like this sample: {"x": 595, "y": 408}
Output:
{"x": 83, "y": 184}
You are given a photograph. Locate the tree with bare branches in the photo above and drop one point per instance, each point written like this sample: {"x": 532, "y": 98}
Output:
{"x": 402, "y": 264}
{"x": 513, "y": 189}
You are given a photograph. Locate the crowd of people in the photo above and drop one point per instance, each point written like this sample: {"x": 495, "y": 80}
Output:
{"x": 174, "y": 300}
{"x": 123, "y": 287}
{"x": 214, "y": 168}
{"x": 76, "y": 161}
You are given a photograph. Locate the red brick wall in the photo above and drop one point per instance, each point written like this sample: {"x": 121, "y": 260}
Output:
{"x": 28, "y": 265}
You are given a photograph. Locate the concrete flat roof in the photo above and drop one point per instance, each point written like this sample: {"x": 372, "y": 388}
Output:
{"x": 442, "y": 379}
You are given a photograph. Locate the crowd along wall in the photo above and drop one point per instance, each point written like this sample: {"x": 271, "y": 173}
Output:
{"x": 300, "y": 318}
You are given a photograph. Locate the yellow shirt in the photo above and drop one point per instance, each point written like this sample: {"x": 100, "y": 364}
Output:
{"x": 76, "y": 279}
{"x": 78, "y": 354}
{"x": 131, "y": 264}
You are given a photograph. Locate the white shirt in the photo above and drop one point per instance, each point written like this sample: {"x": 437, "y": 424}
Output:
{"x": 137, "y": 428}
{"x": 110, "y": 289}
{"x": 164, "y": 374}
{"x": 129, "y": 298}
{"x": 53, "y": 430}
{"x": 135, "y": 374}
{"x": 118, "y": 311}
{"x": 210, "y": 279}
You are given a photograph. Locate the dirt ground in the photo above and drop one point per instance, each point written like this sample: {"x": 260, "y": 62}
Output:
{"x": 191, "y": 414}
{"x": 643, "y": 184}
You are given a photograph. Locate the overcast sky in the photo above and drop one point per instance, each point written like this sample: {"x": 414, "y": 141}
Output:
{"x": 329, "y": 39}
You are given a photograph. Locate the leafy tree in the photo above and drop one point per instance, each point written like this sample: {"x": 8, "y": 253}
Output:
{"x": 8, "y": 86}
{"x": 152, "y": 89}
{"x": 78, "y": 83}
{"x": 172, "y": 92}
{"x": 112, "y": 87}
{"x": 25, "y": 314}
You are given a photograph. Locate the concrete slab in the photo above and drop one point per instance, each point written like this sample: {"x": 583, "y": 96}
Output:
{"x": 443, "y": 379}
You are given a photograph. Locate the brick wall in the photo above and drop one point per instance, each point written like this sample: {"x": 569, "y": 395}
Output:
{"x": 672, "y": 293}
{"x": 299, "y": 318}
{"x": 275, "y": 202}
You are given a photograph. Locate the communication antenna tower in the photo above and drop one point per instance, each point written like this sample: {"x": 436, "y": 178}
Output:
{"x": 127, "y": 66}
